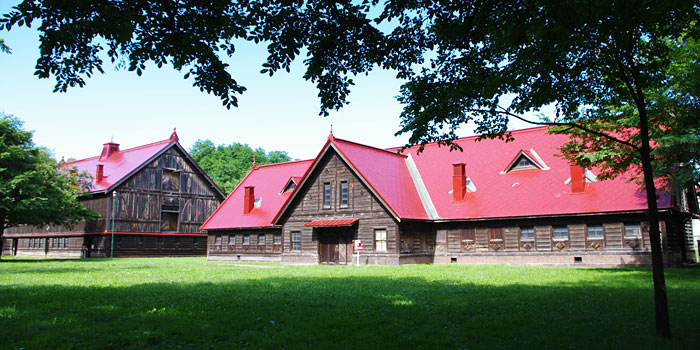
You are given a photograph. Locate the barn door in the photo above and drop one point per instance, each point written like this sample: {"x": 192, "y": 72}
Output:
{"x": 328, "y": 247}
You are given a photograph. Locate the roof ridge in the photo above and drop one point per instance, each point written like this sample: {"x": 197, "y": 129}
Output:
{"x": 123, "y": 150}
{"x": 284, "y": 163}
{"x": 371, "y": 147}
{"x": 464, "y": 138}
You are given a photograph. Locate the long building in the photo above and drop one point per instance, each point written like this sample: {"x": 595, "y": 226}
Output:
{"x": 492, "y": 203}
{"x": 151, "y": 199}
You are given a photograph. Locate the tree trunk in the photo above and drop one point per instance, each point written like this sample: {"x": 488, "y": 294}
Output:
{"x": 2, "y": 233}
{"x": 663, "y": 325}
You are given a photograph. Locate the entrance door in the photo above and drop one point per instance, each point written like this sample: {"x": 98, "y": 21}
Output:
{"x": 14, "y": 247}
{"x": 335, "y": 245}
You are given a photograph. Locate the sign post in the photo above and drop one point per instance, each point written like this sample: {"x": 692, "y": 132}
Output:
{"x": 358, "y": 247}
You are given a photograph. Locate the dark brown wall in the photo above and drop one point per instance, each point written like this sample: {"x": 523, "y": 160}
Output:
{"x": 308, "y": 206}
{"x": 141, "y": 199}
{"x": 223, "y": 246}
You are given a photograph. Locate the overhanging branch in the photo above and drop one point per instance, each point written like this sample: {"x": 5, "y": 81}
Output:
{"x": 570, "y": 124}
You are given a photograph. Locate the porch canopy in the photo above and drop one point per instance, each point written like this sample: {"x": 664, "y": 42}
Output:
{"x": 331, "y": 223}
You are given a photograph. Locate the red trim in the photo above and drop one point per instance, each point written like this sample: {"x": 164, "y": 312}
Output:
{"x": 157, "y": 234}
{"x": 78, "y": 234}
{"x": 331, "y": 223}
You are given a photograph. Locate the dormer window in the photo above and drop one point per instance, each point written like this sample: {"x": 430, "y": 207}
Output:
{"x": 524, "y": 163}
{"x": 526, "y": 160}
{"x": 291, "y": 185}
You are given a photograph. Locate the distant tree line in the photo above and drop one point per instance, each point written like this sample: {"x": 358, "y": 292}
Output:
{"x": 228, "y": 164}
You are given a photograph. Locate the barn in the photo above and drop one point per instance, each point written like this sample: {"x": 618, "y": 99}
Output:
{"x": 492, "y": 203}
{"x": 151, "y": 199}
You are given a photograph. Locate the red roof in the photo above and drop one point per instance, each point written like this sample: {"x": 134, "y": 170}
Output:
{"x": 387, "y": 174}
{"x": 527, "y": 192}
{"x": 120, "y": 164}
{"x": 331, "y": 223}
{"x": 268, "y": 180}
{"x": 424, "y": 192}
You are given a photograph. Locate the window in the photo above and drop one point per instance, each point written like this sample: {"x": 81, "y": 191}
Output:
{"x": 380, "y": 240}
{"x": 327, "y": 195}
{"x": 217, "y": 240}
{"x": 560, "y": 232}
{"x": 468, "y": 234}
{"x": 343, "y": 194}
{"x": 246, "y": 239}
{"x": 632, "y": 230}
{"x": 527, "y": 233}
{"x": 261, "y": 239}
{"x": 524, "y": 163}
{"x": 232, "y": 240}
{"x": 169, "y": 214}
{"x": 595, "y": 231}
{"x": 296, "y": 241}
{"x": 496, "y": 234}
{"x": 171, "y": 180}
{"x": 277, "y": 238}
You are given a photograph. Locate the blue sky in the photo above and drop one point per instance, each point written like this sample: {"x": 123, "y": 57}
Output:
{"x": 275, "y": 113}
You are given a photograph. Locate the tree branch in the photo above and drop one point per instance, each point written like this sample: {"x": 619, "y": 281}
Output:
{"x": 570, "y": 124}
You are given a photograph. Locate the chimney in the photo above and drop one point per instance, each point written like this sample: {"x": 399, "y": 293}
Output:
{"x": 577, "y": 179}
{"x": 459, "y": 181}
{"x": 248, "y": 199}
{"x": 108, "y": 149}
{"x": 99, "y": 174}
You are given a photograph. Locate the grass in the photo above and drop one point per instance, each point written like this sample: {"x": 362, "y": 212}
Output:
{"x": 189, "y": 303}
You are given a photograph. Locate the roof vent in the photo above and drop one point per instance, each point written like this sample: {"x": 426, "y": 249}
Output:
{"x": 108, "y": 149}
{"x": 459, "y": 181}
{"x": 578, "y": 183}
{"x": 99, "y": 173}
{"x": 248, "y": 199}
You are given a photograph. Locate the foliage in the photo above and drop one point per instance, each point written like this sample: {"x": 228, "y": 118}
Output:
{"x": 228, "y": 164}
{"x": 190, "y": 303}
{"x": 33, "y": 190}
{"x": 673, "y": 104}
{"x": 3, "y": 47}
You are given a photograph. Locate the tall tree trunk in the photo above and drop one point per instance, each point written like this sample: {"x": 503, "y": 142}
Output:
{"x": 663, "y": 325}
{"x": 2, "y": 233}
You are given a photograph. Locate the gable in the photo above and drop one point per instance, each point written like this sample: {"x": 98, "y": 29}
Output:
{"x": 173, "y": 170}
{"x": 334, "y": 173}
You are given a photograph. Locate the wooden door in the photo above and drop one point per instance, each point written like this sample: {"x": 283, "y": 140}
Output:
{"x": 328, "y": 247}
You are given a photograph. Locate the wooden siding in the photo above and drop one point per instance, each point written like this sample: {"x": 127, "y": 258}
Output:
{"x": 309, "y": 205}
{"x": 143, "y": 198}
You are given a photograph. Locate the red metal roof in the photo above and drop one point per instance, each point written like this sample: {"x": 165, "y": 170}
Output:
{"x": 331, "y": 223}
{"x": 267, "y": 180}
{"x": 387, "y": 174}
{"x": 119, "y": 164}
{"x": 527, "y": 192}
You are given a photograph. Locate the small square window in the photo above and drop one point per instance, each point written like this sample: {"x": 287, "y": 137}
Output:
{"x": 595, "y": 231}
{"x": 560, "y": 232}
{"x": 633, "y": 230}
{"x": 527, "y": 233}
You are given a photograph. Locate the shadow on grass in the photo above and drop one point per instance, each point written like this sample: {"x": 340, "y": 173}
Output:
{"x": 361, "y": 312}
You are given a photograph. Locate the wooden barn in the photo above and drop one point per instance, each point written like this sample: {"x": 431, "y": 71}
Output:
{"x": 152, "y": 199}
{"x": 493, "y": 203}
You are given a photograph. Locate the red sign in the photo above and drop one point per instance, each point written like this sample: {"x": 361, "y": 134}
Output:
{"x": 359, "y": 245}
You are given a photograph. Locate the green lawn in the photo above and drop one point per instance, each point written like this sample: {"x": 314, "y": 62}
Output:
{"x": 189, "y": 303}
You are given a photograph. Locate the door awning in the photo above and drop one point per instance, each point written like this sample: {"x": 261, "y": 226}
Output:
{"x": 331, "y": 223}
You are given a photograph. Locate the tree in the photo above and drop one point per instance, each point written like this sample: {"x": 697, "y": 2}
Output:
{"x": 465, "y": 62}
{"x": 228, "y": 164}
{"x": 3, "y": 47}
{"x": 33, "y": 190}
